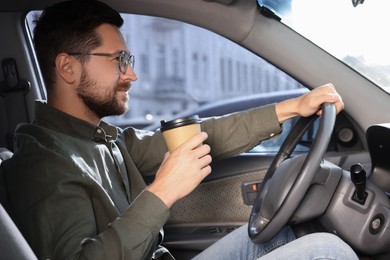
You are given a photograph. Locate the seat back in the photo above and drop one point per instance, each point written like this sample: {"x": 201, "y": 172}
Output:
{"x": 13, "y": 246}
{"x": 4, "y": 155}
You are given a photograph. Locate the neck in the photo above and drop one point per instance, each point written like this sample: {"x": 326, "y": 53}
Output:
{"x": 73, "y": 106}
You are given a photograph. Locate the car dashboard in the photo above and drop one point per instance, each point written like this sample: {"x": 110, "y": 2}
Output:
{"x": 360, "y": 208}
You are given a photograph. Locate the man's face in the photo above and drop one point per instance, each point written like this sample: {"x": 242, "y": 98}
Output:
{"x": 103, "y": 87}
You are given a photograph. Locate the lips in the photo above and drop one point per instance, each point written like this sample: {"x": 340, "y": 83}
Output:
{"x": 123, "y": 87}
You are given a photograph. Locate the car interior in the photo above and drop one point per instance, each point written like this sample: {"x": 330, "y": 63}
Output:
{"x": 339, "y": 185}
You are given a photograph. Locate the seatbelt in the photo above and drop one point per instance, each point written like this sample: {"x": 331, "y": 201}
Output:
{"x": 13, "y": 91}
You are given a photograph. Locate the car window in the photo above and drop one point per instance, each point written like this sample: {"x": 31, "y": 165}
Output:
{"x": 352, "y": 31}
{"x": 184, "y": 70}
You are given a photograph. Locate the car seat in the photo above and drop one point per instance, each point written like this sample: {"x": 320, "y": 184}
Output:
{"x": 13, "y": 246}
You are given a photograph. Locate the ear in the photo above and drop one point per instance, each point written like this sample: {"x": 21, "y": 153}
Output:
{"x": 67, "y": 68}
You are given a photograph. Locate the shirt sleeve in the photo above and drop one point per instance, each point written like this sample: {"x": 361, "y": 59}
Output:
{"x": 237, "y": 133}
{"x": 228, "y": 136}
{"x": 54, "y": 201}
{"x": 134, "y": 234}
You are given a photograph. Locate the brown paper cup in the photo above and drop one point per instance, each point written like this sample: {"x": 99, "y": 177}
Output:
{"x": 178, "y": 131}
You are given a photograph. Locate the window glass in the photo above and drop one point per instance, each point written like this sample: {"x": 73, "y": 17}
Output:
{"x": 352, "y": 31}
{"x": 185, "y": 70}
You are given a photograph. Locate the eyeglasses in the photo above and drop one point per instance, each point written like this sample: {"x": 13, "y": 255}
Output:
{"x": 124, "y": 58}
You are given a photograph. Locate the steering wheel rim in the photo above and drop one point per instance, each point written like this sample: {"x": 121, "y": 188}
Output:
{"x": 262, "y": 229}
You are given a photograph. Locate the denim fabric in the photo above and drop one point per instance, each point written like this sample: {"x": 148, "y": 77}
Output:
{"x": 317, "y": 246}
{"x": 238, "y": 245}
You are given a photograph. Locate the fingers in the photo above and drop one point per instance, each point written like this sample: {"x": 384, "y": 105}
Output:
{"x": 195, "y": 151}
{"x": 204, "y": 159}
{"x": 206, "y": 170}
{"x": 328, "y": 94}
{"x": 200, "y": 151}
{"x": 182, "y": 170}
{"x": 309, "y": 103}
{"x": 194, "y": 141}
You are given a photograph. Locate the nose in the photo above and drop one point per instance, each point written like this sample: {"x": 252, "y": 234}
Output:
{"x": 129, "y": 74}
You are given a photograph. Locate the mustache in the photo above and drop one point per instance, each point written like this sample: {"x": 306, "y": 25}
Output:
{"x": 124, "y": 86}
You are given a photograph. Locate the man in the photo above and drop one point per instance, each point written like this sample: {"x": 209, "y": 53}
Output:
{"x": 75, "y": 182}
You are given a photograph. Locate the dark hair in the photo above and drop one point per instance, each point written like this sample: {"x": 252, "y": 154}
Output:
{"x": 67, "y": 27}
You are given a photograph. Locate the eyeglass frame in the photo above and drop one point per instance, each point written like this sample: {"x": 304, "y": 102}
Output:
{"x": 130, "y": 59}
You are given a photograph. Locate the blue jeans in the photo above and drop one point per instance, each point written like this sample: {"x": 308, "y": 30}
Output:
{"x": 237, "y": 245}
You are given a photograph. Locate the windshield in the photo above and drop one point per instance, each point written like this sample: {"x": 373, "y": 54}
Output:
{"x": 354, "y": 31}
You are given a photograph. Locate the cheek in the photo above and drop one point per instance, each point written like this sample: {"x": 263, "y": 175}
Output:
{"x": 104, "y": 76}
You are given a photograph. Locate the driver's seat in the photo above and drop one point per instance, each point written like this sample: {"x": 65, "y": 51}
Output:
{"x": 13, "y": 246}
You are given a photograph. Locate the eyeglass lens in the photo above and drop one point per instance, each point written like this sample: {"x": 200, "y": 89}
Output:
{"x": 125, "y": 60}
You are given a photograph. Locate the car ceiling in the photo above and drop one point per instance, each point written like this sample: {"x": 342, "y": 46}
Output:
{"x": 310, "y": 65}
{"x": 200, "y": 12}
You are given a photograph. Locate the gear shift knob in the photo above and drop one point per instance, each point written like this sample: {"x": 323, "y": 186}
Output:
{"x": 358, "y": 177}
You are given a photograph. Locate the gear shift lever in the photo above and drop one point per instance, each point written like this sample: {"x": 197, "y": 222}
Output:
{"x": 358, "y": 177}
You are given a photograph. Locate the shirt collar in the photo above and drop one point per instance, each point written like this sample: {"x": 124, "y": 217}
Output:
{"x": 57, "y": 120}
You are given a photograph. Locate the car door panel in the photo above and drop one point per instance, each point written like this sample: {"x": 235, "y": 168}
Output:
{"x": 216, "y": 207}
{"x": 219, "y": 198}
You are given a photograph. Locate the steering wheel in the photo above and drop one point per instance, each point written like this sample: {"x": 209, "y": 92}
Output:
{"x": 287, "y": 179}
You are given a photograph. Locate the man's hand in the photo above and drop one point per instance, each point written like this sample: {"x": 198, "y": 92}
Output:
{"x": 182, "y": 170}
{"x": 310, "y": 103}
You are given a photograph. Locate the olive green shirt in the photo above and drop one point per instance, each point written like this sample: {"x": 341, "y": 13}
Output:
{"x": 77, "y": 190}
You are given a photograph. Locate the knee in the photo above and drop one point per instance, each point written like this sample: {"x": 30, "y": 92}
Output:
{"x": 327, "y": 242}
{"x": 325, "y": 239}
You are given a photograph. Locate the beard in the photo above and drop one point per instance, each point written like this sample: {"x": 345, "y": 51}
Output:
{"x": 102, "y": 103}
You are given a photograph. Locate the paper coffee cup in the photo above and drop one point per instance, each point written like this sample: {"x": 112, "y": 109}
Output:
{"x": 178, "y": 131}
